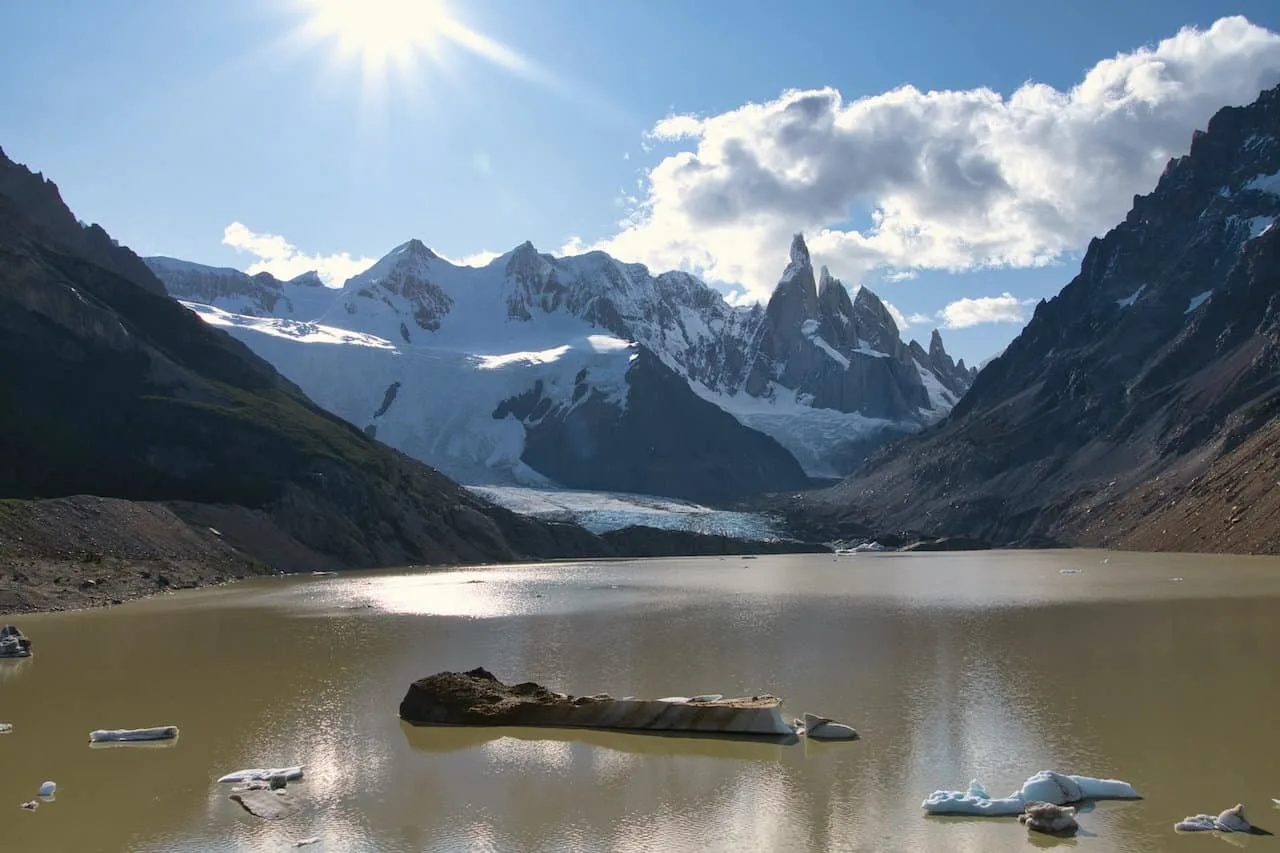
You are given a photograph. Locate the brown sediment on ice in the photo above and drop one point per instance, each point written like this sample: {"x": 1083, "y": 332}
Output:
{"x": 478, "y": 698}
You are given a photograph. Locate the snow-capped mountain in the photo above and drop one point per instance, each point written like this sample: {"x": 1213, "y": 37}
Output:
{"x": 588, "y": 372}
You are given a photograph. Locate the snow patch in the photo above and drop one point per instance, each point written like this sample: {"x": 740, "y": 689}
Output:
{"x": 294, "y": 330}
{"x": 809, "y": 328}
{"x": 1128, "y": 301}
{"x": 1197, "y": 300}
{"x": 1259, "y": 225}
{"x": 1265, "y": 183}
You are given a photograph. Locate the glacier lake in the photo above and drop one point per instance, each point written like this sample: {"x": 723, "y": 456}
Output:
{"x": 1157, "y": 669}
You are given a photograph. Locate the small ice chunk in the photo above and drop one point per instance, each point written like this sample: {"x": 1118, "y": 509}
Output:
{"x": 824, "y": 728}
{"x": 129, "y": 735}
{"x": 47, "y": 789}
{"x": 1068, "y": 571}
{"x": 5, "y": 728}
{"x": 30, "y": 805}
{"x": 259, "y": 774}
{"x": 1230, "y": 820}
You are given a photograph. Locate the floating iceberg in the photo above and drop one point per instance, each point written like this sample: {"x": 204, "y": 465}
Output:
{"x": 131, "y": 735}
{"x": 1046, "y": 786}
{"x": 14, "y": 643}
{"x": 290, "y": 774}
{"x": 47, "y": 789}
{"x": 824, "y": 728}
{"x": 1230, "y": 820}
{"x": 5, "y": 728}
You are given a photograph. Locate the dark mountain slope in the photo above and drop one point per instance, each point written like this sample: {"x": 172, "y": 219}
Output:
{"x": 111, "y": 388}
{"x": 1156, "y": 369}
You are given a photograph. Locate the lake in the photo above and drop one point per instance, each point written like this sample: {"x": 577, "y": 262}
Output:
{"x": 1154, "y": 668}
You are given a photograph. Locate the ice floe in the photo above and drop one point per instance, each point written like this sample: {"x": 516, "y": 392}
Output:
{"x": 263, "y": 775}
{"x": 1047, "y": 786}
{"x": 1229, "y": 820}
{"x": 132, "y": 735}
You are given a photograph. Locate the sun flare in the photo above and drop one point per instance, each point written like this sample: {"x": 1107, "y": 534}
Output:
{"x": 382, "y": 33}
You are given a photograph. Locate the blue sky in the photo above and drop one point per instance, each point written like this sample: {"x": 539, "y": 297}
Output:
{"x": 169, "y": 122}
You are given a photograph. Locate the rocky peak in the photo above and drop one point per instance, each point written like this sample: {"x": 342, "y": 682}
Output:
{"x": 799, "y": 253}
{"x": 535, "y": 284}
{"x": 401, "y": 281}
{"x": 874, "y": 323}
{"x": 311, "y": 278}
{"x": 42, "y": 205}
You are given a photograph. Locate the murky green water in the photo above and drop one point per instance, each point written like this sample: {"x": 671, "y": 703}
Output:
{"x": 987, "y": 665}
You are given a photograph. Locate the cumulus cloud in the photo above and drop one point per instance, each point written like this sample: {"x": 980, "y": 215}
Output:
{"x": 282, "y": 259}
{"x": 1005, "y": 308}
{"x": 953, "y": 180}
{"x": 479, "y": 259}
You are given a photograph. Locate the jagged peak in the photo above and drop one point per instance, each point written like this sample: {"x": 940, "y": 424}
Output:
{"x": 935, "y": 343}
{"x": 310, "y": 278}
{"x": 416, "y": 248}
{"x": 825, "y": 280}
{"x": 799, "y": 252}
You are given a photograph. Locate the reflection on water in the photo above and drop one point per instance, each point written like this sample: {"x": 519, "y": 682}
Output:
{"x": 950, "y": 666}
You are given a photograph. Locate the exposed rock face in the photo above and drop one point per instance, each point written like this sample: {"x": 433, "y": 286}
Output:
{"x": 46, "y": 216}
{"x": 259, "y": 295}
{"x": 402, "y": 281}
{"x": 1116, "y": 414}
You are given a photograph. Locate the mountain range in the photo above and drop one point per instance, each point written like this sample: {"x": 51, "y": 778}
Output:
{"x": 1140, "y": 407}
{"x": 190, "y": 443}
{"x": 590, "y": 373}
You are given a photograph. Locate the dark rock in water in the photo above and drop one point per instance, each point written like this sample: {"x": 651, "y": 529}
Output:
{"x": 1050, "y": 819}
{"x": 478, "y": 698}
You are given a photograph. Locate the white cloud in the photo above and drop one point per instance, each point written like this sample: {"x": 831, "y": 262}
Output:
{"x": 918, "y": 318}
{"x": 1005, "y": 308}
{"x": 479, "y": 259}
{"x": 282, "y": 259}
{"x": 954, "y": 180}
{"x": 898, "y": 316}
{"x": 676, "y": 127}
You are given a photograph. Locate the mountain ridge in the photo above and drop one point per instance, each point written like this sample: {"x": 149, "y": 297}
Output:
{"x": 1128, "y": 392}
{"x": 534, "y": 303}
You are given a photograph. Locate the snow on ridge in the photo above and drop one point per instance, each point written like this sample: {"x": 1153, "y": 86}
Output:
{"x": 1259, "y": 225}
{"x": 295, "y": 330}
{"x": 809, "y": 328}
{"x": 1197, "y": 300}
{"x": 1128, "y": 301}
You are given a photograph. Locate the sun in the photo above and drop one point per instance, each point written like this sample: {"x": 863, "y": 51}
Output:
{"x": 382, "y": 33}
